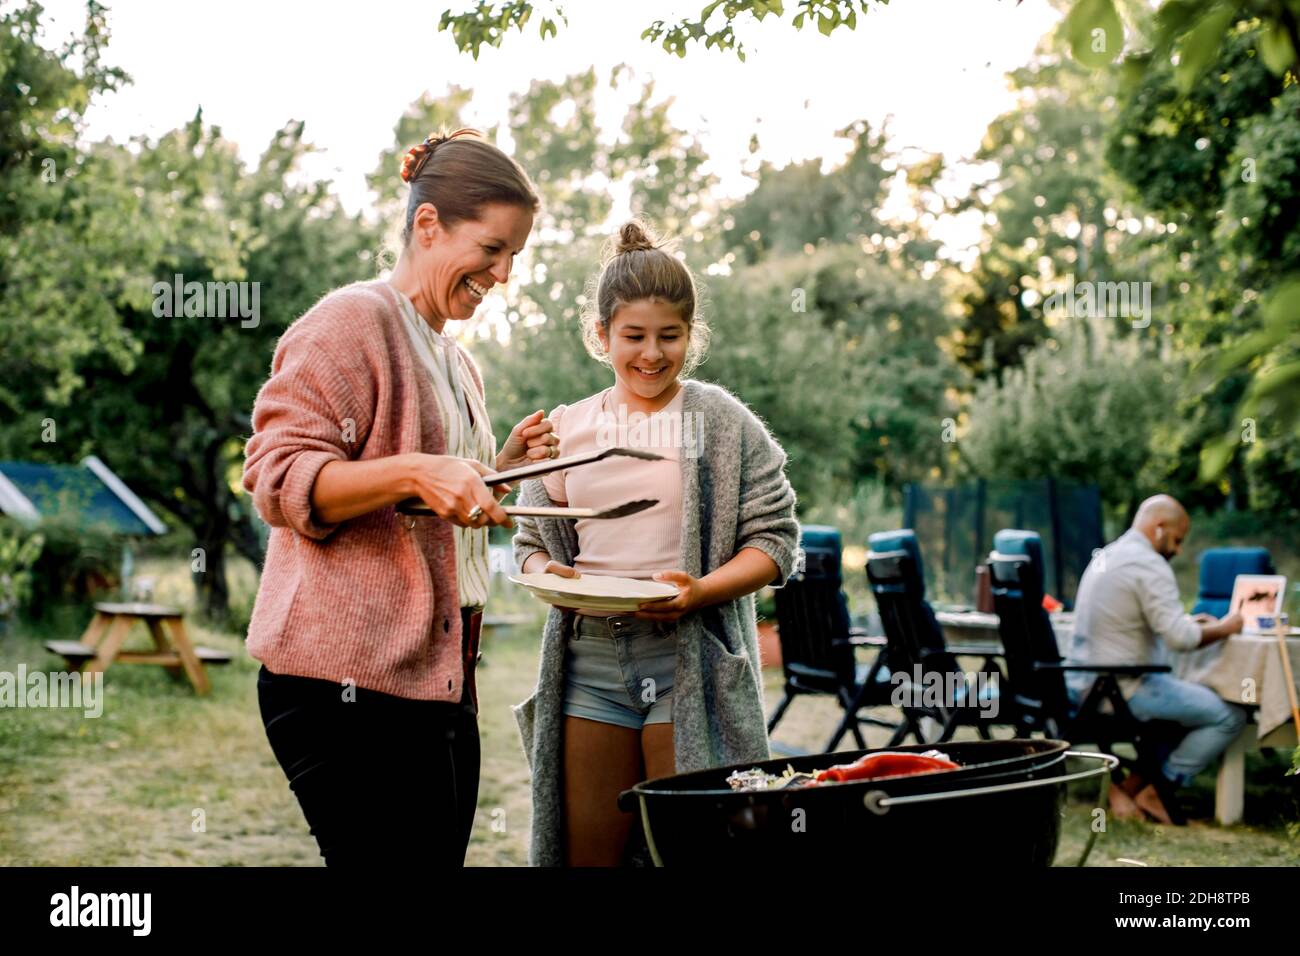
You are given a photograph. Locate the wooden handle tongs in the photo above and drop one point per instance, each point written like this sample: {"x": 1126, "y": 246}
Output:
{"x": 414, "y": 506}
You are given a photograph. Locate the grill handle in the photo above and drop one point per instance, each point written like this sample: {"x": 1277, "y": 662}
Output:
{"x": 878, "y": 802}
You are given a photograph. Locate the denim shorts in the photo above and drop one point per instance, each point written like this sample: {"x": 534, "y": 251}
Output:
{"x": 619, "y": 670}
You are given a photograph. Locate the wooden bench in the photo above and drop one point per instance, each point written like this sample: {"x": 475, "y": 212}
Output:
{"x": 101, "y": 644}
{"x": 77, "y": 653}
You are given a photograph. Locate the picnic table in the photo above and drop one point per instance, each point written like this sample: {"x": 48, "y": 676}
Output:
{"x": 101, "y": 644}
{"x": 1228, "y": 667}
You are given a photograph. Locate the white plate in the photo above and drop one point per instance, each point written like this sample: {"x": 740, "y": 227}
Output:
{"x": 597, "y": 592}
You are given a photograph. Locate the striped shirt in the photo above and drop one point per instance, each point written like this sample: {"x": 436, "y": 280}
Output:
{"x": 469, "y": 435}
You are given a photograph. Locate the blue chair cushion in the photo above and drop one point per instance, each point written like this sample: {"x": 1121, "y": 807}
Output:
{"x": 1014, "y": 541}
{"x": 823, "y": 551}
{"x": 902, "y": 540}
{"x": 1219, "y": 570}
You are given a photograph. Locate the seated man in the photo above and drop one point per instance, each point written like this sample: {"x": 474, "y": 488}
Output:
{"x": 1128, "y": 612}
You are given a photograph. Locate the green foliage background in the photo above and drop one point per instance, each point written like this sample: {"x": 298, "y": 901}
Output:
{"x": 875, "y": 359}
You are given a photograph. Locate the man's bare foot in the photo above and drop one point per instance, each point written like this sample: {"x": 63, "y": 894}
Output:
{"x": 1132, "y": 784}
{"x": 1122, "y": 806}
{"x": 1149, "y": 802}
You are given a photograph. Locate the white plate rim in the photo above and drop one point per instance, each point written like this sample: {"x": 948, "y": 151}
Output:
{"x": 602, "y": 602}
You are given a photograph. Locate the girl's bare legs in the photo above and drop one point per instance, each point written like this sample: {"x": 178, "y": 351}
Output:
{"x": 657, "y": 750}
{"x": 600, "y": 762}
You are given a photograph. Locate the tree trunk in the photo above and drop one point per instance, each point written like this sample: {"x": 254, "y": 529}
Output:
{"x": 210, "y": 578}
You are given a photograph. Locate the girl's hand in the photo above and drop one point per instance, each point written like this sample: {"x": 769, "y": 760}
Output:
{"x": 531, "y": 440}
{"x": 563, "y": 570}
{"x": 690, "y": 597}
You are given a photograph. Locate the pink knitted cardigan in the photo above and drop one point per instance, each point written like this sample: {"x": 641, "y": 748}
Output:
{"x": 368, "y": 599}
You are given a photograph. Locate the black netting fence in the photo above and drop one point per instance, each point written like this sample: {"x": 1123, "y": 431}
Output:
{"x": 955, "y": 528}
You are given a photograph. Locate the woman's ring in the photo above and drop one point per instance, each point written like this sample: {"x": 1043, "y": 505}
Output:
{"x": 553, "y": 451}
{"x": 475, "y": 513}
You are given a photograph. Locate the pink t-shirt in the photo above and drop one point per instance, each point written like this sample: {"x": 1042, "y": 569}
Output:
{"x": 641, "y": 544}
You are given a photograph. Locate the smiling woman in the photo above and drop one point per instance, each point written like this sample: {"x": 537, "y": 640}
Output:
{"x": 366, "y": 623}
{"x": 480, "y": 206}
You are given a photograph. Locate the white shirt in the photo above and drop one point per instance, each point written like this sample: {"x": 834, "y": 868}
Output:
{"x": 1128, "y": 611}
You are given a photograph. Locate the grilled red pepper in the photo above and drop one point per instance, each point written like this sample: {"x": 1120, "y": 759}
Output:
{"x": 884, "y": 764}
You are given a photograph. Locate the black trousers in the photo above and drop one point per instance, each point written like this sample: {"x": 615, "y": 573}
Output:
{"x": 380, "y": 779}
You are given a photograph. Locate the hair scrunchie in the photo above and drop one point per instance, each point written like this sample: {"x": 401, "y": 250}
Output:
{"x": 419, "y": 154}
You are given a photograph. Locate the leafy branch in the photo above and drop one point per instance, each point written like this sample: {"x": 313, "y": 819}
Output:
{"x": 489, "y": 23}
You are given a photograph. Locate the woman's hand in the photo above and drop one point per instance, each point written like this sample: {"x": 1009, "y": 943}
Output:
{"x": 691, "y": 596}
{"x": 531, "y": 440}
{"x": 453, "y": 488}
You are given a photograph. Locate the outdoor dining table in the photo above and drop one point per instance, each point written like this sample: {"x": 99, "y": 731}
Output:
{"x": 101, "y": 644}
{"x": 980, "y": 627}
{"x": 1243, "y": 669}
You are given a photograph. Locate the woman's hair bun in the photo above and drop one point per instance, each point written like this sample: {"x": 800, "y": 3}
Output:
{"x": 635, "y": 235}
{"x": 419, "y": 154}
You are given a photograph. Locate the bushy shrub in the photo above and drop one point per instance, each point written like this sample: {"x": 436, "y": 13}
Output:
{"x": 1083, "y": 407}
{"x": 19, "y": 550}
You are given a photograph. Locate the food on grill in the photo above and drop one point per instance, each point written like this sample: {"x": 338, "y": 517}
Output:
{"x": 755, "y": 779}
{"x": 759, "y": 779}
{"x": 872, "y": 766}
{"x": 886, "y": 764}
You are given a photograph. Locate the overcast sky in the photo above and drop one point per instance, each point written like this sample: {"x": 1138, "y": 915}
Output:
{"x": 350, "y": 69}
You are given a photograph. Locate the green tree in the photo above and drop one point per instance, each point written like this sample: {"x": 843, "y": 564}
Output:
{"x": 1054, "y": 213}
{"x": 61, "y": 242}
{"x": 1083, "y": 406}
{"x": 840, "y": 353}
{"x": 164, "y": 399}
{"x": 1212, "y": 74}
{"x": 799, "y": 206}
{"x": 1217, "y": 162}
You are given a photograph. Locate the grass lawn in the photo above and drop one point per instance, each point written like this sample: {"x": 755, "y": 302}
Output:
{"x": 123, "y": 789}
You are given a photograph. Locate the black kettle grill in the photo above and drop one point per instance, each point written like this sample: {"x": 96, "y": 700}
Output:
{"x": 1003, "y": 805}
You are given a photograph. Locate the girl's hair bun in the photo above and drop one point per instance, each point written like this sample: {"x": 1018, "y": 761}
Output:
{"x": 635, "y": 235}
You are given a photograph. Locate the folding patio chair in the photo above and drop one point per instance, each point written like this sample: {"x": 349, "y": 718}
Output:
{"x": 918, "y": 654}
{"x": 818, "y": 641}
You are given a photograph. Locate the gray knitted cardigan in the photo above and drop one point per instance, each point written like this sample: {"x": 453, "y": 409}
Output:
{"x": 734, "y": 495}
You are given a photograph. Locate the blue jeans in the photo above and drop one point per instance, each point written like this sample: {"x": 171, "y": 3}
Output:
{"x": 1213, "y": 722}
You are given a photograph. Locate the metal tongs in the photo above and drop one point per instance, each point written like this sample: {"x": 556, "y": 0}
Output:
{"x": 414, "y": 506}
